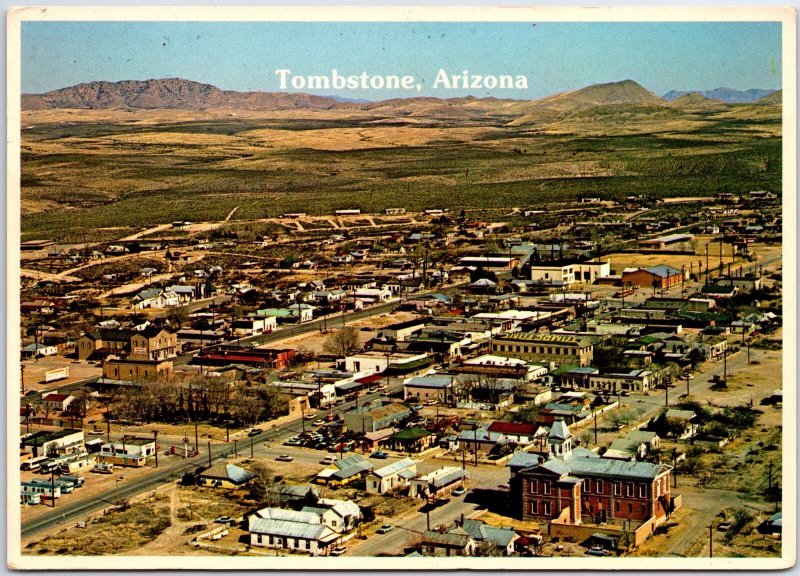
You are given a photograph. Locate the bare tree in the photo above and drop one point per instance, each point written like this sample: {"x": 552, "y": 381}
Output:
{"x": 342, "y": 342}
{"x": 263, "y": 488}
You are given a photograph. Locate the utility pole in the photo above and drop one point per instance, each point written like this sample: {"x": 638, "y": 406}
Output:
{"x": 155, "y": 445}
{"x": 251, "y": 447}
{"x": 53, "y": 486}
{"x": 209, "y": 453}
{"x": 666, "y": 392}
{"x": 235, "y": 448}
{"x": 725, "y": 366}
{"x": 706, "y": 263}
{"x": 196, "y": 438}
{"x": 595, "y": 428}
{"x": 711, "y": 540}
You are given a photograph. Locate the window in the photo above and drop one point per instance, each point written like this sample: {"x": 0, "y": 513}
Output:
{"x": 546, "y": 487}
{"x": 308, "y": 544}
{"x": 546, "y": 508}
{"x": 617, "y": 489}
{"x": 616, "y": 506}
{"x": 642, "y": 490}
{"x": 534, "y": 486}
{"x": 534, "y": 506}
{"x": 585, "y": 486}
{"x": 599, "y": 486}
{"x": 629, "y": 489}
{"x": 271, "y": 539}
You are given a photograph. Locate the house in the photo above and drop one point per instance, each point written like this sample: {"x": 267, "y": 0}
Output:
{"x": 130, "y": 451}
{"x": 394, "y": 476}
{"x": 291, "y": 530}
{"x": 295, "y": 497}
{"x": 497, "y": 539}
{"x": 453, "y": 543}
{"x": 438, "y": 387}
{"x": 57, "y": 402}
{"x": 412, "y": 439}
{"x": 341, "y": 516}
{"x": 225, "y": 475}
{"x": 439, "y": 483}
{"x": 38, "y": 350}
{"x": 685, "y": 419}
{"x": 254, "y": 325}
{"x": 481, "y": 441}
{"x": 634, "y": 446}
{"x": 574, "y": 483}
{"x": 517, "y": 432}
{"x": 344, "y": 471}
{"x": 154, "y": 298}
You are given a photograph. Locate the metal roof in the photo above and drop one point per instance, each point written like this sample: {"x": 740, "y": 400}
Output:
{"x": 288, "y": 516}
{"x": 395, "y": 467}
{"x": 230, "y": 472}
{"x": 290, "y": 529}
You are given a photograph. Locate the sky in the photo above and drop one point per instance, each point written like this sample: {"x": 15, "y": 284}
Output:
{"x": 554, "y": 57}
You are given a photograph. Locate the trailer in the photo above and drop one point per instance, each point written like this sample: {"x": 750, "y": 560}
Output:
{"x": 56, "y": 374}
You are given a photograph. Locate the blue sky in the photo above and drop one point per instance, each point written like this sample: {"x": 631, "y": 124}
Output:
{"x": 554, "y": 56}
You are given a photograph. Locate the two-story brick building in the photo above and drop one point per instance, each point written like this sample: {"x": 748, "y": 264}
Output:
{"x": 575, "y": 485}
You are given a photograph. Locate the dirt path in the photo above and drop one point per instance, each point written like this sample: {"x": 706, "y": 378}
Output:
{"x": 153, "y": 230}
{"x": 231, "y": 213}
{"x": 165, "y": 543}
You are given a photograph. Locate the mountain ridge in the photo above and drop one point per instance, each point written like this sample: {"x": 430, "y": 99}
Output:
{"x": 728, "y": 95}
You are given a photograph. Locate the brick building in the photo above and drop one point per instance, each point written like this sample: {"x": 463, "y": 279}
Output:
{"x": 575, "y": 485}
{"x": 659, "y": 277}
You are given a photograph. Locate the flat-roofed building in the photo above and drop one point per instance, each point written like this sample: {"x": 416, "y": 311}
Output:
{"x": 560, "y": 349}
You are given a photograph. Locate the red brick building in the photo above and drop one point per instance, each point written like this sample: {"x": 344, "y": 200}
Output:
{"x": 576, "y": 485}
{"x": 659, "y": 277}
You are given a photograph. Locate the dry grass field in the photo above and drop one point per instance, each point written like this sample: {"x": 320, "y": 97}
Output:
{"x": 88, "y": 169}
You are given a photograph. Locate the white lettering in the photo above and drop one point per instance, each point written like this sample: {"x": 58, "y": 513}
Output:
{"x": 442, "y": 81}
{"x": 282, "y": 74}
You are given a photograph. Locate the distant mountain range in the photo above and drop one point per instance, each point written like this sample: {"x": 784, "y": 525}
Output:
{"x": 177, "y": 93}
{"x": 728, "y": 95}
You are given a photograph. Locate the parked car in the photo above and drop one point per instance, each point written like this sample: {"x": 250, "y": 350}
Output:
{"x": 597, "y": 550}
{"x": 724, "y": 526}
{"x": 416, "y": 407}
{"x": 224, "y": 520}
{"x": 318, "y": 422}
{"x": 380, "y": 455}
{"x": 255, "y": 432}
{"x": 385, "y": 528}
{"x": 459, "y": 491}
{"x": 284, "y": 458}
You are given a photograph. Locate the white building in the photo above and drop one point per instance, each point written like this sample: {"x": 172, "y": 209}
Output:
{"x": 292, "y": 530}
{"x": 254, "y": 325}
{"x": 392, "y": 477}
{"x": 567, "y": 274}
{"x": 372, "y": 362}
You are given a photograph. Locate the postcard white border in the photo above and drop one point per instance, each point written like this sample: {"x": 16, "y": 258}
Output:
{"x": 784, "y": 15}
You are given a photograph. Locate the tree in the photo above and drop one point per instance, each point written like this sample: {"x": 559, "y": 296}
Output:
{"x": 263, "y": 488}
{"x": 178, "y": 316}
{"x": 342, "y": 342}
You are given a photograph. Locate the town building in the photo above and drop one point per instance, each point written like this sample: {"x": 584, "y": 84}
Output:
{"x": 439, "y": 483}
{"x": 658, "y": 277}
{"x": 225, "y": 475}
{"x": 545, "y": 348}
{"x": 392, "y": 477}
{"x": 575, "y": 485}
